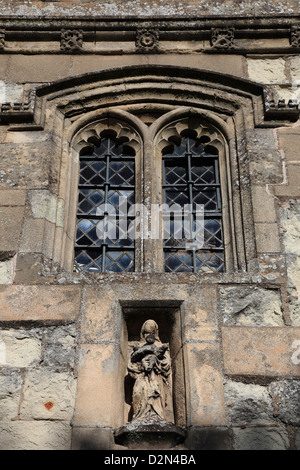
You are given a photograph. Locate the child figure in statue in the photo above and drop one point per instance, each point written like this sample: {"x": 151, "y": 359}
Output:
{"x": 150, "y": 366}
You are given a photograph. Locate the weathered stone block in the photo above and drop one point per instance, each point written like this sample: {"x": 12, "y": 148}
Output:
{"x": 251, "y": 306}
{"x": 43, "y": 204}
{"x": 25, "y": 165}
{"x": 59, "y": 345}
{"x": 295, "y": 68}
{"x": 23, "y": 348}
{"x": 100, "y": 387}
{"x": 285, "y": 394}
{"x": 260, "y": 351}
{"x": 4, "y": 61}
{"x": 267, "y": 70}
{"x": 38, "y": 68}
{"x": 228, "y": 64}
{"x": 263, "y": 205}
{"x": 10, "y": 392}
{"x": 200, "y": 319}
{"x": 202, "y": 333}
{"x": 295, "y": 312}
{"x": 265, "y": 167}
{"x": 99, "y": 323}
{"x": 35, "y": 435}
{"x": 28, "y": 269}
{"x": 267, "y": 238}
{"x": 290, "y": 230}
{"x": 32, "y": 303}
{"x": 48, "y": 394}
{"x": 7, "y": 270}
{"x": 290, "y": 227}
{"x": 272, "y": 266}
{"x": 32, "y": 236}
{"x": 297, "y": 439}
{"x": 260, "y": 439}
{"x": 48, "y": 240}
{"x": 291, "y": 189}
{"x": 10, "y": 93}
{"x": 12, "y": 197}
{"x": 248, "y": 404}
{"x": 289, "y": 140}
{"x": 204, "y": 382}
{"x": 11, "y": 220}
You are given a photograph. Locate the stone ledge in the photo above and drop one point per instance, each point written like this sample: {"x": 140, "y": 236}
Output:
{"x": 143, "y": 435}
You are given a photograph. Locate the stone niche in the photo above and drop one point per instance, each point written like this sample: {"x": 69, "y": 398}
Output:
{"x": 164, "y": 434}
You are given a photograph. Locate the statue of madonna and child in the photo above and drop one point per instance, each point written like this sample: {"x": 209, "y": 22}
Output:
{"x": 150, "y": 367}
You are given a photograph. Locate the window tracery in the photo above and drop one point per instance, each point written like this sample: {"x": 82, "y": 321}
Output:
{"x": 186, "y": 172}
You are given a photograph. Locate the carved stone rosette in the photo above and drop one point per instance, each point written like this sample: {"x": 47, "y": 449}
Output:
{"x": 295, "y": 36}
{"x": 147, "y": 40}
{"x": 71, "y": 40}
{"x": 222, "y": 38}
{"x": 2, "y": 38}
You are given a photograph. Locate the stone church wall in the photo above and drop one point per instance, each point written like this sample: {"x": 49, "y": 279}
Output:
{"x": 63, "y": 335}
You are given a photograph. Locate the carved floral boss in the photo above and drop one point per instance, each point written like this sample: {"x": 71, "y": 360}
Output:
{"x": 147, "y": 39}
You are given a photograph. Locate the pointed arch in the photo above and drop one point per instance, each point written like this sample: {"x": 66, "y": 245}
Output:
{"x": 216, "y": 107}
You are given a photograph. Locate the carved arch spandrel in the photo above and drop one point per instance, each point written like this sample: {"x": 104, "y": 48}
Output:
{"x": 203, "y": 130}
{"x": 92, "y": 133}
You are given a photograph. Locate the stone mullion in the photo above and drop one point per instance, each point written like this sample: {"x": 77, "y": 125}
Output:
{"x": 149, "y": 263}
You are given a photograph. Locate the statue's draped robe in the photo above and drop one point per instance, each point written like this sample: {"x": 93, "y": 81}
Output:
{"x": 152, "y": 391}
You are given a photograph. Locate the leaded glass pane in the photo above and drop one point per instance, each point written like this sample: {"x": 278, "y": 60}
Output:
{"x": 209, "y": 262}
{"x": 176, "y": 196}
{"x": 114, "y": 261}
{"x": 190, "y": 179}
{"x": 180, "y": 261}
{"x": 202, "y": 174}
{"x": 106, "y": 193}
{"x": 121, "y": 173}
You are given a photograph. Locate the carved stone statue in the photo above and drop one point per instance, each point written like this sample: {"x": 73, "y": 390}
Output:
{"x": 150, "y": 366}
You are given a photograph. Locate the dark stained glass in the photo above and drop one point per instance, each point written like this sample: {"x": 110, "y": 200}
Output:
{"x": 191, "y": 179}
{"x": 106, "y": 189}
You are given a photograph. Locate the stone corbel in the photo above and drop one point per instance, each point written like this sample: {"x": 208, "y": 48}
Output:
{"x": 280, "y": 110}
{"x": 19, "y": 112}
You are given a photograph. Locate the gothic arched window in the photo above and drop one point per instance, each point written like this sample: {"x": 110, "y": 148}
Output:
{"x": 152, "y": 200}
{"x": 193, "y": 240}
{"x": 106, "y": 187}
